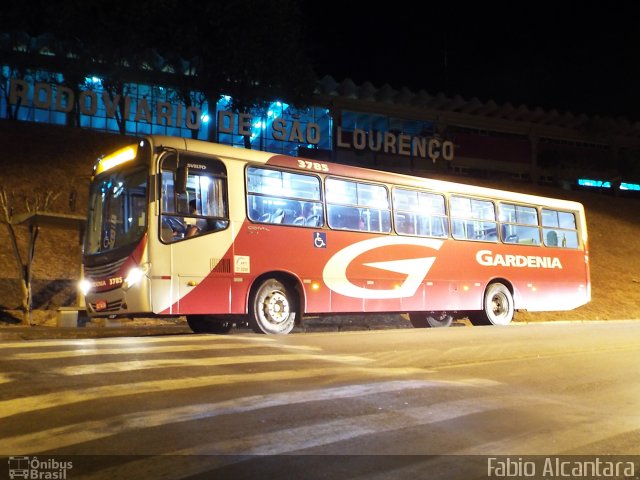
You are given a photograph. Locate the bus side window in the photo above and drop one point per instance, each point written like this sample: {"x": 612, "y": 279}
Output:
{"x": 561, "y": 238}
{"x": 473, "y": 219}
{"x": 167, "y": 189}
{"x": 419, "y": 217}
{"x": 202, "y": 208}
{"x": 520, "y": 234}
{"x": 374, "y": 220}
{"x": 357, "y": 206}
{"x": 405, "y": 223}
{"x": 559, "y": 229}
{"x": 171, "y": 228}
{"x": 520, "y": 224}
{"x": 343, "y": 218}
{"x": 286, "y": 198}
{"x": 313, "y": 215}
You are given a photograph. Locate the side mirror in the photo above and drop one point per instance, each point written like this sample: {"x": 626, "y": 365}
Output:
{"x": 180, "y": 186}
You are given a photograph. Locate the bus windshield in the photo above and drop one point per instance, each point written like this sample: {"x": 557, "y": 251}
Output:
{"x": 117, "y": 210}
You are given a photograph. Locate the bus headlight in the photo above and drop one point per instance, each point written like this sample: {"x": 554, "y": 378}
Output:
{"x": 133, "y": 277}
{"x": 85, "y": 286}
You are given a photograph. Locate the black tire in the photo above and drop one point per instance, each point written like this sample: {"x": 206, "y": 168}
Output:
{"x": 206, "y": 324}
{"x": 272, "y": 308}
{"x": 430, "y": 319}
{"x": 498, "y": 306}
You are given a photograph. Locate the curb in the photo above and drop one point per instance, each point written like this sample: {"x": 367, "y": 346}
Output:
{"x": 48, "y": 333}
{"x": 53, "y": 333}
{"x": 312, "y": 326}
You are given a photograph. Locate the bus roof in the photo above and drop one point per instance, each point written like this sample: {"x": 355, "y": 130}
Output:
{"x": 359, "y": 173}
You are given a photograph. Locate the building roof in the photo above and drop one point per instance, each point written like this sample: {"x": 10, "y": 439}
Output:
{"x": 489, "y": 112}
{"x": 385, "y": 100}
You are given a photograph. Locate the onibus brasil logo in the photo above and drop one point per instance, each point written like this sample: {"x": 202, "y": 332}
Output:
{"x": 38, "y": 469}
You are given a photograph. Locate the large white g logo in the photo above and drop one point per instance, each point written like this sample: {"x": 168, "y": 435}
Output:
{"x": 416, "y": 269}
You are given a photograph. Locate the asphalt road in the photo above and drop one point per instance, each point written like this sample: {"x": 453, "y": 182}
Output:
{"x": 405, "y": 403}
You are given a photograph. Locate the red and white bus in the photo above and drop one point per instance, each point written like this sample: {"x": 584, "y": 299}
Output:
{"x": 221, "y": 235}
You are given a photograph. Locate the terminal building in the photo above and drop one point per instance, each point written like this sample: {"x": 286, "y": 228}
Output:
{"x": 420, "y": 133}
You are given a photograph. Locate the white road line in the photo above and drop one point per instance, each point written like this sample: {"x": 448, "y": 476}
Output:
{"x": 577, "y": 439}
{"x": 297, "y": 439}
{"x": 69, "y": 397}
{"x": 61, "y": 437}
{"x": 111, "y": 341}
{"x": 152, "y": 349}
{"x": 211, "y": 339}
{"x": 132, "y": 365}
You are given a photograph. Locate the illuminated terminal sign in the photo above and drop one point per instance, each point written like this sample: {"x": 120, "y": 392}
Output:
{"x": 62, "y": 99}
{"x": 281, "y": 129}
{"x": 396, "y": 144}
{"x": 157, "y": 112}
{"x": 310, "y": 133}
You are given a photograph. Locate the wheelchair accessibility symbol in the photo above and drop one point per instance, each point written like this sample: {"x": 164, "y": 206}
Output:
{"x": 319, "y": 240}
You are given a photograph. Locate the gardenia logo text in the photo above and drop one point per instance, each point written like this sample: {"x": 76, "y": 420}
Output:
{"x": 488, "y": 259}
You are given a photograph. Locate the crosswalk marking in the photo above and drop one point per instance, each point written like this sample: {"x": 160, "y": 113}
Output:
{"x": 138, "y": 349}
{"x": 69, "y": 397}
{"x": 190, "y": 339}
{"x": 111, "y": 341}
{"x": 310, "y": 402}
{"x": 127, "y": 366}
{"x": 92, "y": 430}
{"x": 319, "y": 434}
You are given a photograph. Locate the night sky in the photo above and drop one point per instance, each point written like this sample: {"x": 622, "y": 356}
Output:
{"x": 580, "y": 57}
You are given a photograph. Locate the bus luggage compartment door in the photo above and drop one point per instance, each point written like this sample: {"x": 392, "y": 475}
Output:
{"x": 204, "y": 295}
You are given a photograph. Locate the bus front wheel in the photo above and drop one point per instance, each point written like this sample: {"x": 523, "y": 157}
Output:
{"x": 430, "y": 319}
{"x": 498, "y": 307}
{"x": 273, "y": 308}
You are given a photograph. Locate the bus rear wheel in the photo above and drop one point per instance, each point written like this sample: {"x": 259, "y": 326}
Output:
{"x": 206, "y": 324}
{"x": 273, "y": 308}
{"x": 430, "y": 319}
{"x": 498, "y": 307}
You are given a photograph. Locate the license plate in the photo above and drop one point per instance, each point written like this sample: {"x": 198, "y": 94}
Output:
{"x": 101, "y": 305}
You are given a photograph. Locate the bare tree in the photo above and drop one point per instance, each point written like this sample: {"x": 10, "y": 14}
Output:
{"x": 39, "y": 202}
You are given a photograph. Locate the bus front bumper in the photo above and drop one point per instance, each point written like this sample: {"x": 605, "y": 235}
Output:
{"x": 119, "y": 301}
